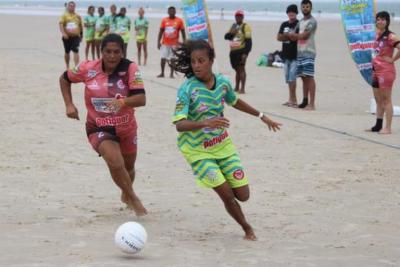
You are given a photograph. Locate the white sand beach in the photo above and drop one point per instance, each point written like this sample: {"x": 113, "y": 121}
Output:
{"x": 323, "y": 191}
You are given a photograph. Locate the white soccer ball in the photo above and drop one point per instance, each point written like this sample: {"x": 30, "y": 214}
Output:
{"x": 130, "y": 237}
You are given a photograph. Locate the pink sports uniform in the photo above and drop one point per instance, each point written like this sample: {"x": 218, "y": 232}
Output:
{"x": 384, "y": 72}
{"x": 100, "y": 89}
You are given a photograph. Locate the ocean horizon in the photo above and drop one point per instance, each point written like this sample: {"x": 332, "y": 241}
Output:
{"x": 257, "y": 10}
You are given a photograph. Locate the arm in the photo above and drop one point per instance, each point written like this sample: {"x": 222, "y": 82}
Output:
{"x": 244, "y": 107}
{"x": 62, "y": 30}
{"x": 160, "y": 34}
{"x": 81, "y": 26}
{"x": 231, "y": 33}
{"x": 299, "y": 36}
{"x": 71, "y": 110}
{"x": 133, "y": 101}
{"x": 183, "y": 35}
{"x": 396, "y": 43}
{"x": 188, "y": 125}
{"x": 282, "y": 37}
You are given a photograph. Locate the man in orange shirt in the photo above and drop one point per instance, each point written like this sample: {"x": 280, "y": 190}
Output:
{"x": 168, "y": 37}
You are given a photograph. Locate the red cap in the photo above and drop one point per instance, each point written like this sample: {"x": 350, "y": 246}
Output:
{"x": 239, "y": 13}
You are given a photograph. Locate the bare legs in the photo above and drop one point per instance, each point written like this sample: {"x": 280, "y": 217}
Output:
{"x": 241, "y": 75}
{"x": 384, "y": 107}
{"x": 139, "y": 52}
{"x": 240, "y": 79}
{"x": 67, "y": 59}
{"x": 230, "y": 196}
{"x": 162, "y": 74}
{"x": 97, "y": 46}
{"x": 309, "y": 89}
{"x": 90, "y": 47}
{"x": 122, "y": 176}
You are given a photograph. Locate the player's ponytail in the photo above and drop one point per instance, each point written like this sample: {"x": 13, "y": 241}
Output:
{"x": 181, "y": 62}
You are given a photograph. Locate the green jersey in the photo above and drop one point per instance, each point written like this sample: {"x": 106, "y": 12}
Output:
{"x": 123, "y": 25}
{"x": 89, "y": 22}
{"x": 113, "y": 23}
{"x": 196, "y": 102}
{"x": 102, "y": 23}
{"x": 142, "y": 25}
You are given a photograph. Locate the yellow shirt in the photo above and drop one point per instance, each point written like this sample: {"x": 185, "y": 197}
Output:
{"x": 72, "y": 23}
{"x": 244, "y": 32}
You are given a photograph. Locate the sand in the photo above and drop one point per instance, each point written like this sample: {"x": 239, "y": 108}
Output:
{"x": 319, "y": 196}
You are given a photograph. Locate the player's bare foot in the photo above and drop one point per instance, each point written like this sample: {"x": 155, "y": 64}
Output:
{"x": 161, "y": 75}
{"x": 309, "y": 107}
{"x": 124, "y": 198}
{"x": 385, "y": 131}
{"x": 137, "y": 206}
{"x": 249, "y": 235}
{"x": 241, "y": 92}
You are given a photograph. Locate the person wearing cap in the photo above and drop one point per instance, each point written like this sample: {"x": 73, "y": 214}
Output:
{"x": 240, "y": 43}
{"x": 289, "y": 53}
{"x": 306, "y": 53}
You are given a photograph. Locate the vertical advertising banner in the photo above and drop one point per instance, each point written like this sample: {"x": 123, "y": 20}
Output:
{"x": 358, "y": 17}
{"x": 196, "y": 19}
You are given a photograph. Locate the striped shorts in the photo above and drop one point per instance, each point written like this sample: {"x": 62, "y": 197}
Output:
{"x": 211, "y": 173}
{"x": 305, "y": 66}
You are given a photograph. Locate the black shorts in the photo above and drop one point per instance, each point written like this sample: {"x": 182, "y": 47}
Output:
{"x": 236, "y": 58}
{"x": 71, "y": 44}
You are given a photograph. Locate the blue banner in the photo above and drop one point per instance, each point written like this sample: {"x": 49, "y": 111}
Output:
{"x": 358, "y": 17}
{"x": 195, "y": 19}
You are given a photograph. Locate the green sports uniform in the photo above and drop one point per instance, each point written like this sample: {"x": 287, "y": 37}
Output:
{"x": 210, "y": 152}
{"x": 101, "y": 25}
{"x": 113, "y": 23}
{"x": 90, "y": 21}
{"x": 123, "y": 27}
{"x": 142, "y": 26}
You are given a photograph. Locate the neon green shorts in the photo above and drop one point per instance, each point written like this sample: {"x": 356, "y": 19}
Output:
{"x": 89, "y": 36}
{"x": 214, "y": 172}
{"x": 98, "y": 36}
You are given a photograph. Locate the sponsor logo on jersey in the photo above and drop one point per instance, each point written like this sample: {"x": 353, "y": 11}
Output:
{"x": 202, "y": 108}
{"x": 112, "y": 121}
{"x": 120, "y": 84}
{"x": 238, "y": 174}
{"x": 91, "y": 74}
{"x": 93, "y": 85}
{"x": 208, "y": 143}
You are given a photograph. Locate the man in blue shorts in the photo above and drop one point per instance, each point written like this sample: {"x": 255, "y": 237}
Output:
{"x": 289, "y": 53}
{"x": 306, "y": 53}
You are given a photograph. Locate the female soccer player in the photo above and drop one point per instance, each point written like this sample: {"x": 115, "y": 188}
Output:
{"x": 90, "y": 24}
{"x": 141, "y": 28}
{"x": 203, "y": 139}
{"x": 384, "y": 71}
{"x": 113, "y": 88}
{"x": 123, "y": 27}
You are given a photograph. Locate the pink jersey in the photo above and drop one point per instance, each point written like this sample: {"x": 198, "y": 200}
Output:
{"x": 101, "y": 89}
{"x": 384, "y": 47}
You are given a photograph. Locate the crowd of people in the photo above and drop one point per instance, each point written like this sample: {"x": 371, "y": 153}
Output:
{"x": 114, "y": 87}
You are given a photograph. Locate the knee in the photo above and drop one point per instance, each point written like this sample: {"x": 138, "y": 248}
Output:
{"x": 115, "y": 163}
{"x": 229, "y": 200}
{"x": 386, "y": 101}
{"x": 243, "y": 197}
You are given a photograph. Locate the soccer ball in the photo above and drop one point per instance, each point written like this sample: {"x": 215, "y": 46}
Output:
{"x": 130, "y": 237}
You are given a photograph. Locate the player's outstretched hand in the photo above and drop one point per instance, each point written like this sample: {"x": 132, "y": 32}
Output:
{"x": 272, "y": 125}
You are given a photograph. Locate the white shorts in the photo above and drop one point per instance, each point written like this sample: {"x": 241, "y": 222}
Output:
{"x": 166, "y": 51}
